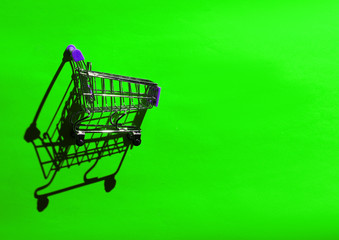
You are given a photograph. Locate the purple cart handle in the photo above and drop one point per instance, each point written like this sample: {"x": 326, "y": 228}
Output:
{"x": 158, "y": 96}
{"x": 76, "y": 53}
{"x": 70, "y": 48}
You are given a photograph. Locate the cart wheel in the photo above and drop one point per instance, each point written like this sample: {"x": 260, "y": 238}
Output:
{"x": 110, "y": 183}
{"x": 135, "y": 138}
{"x": 42, "y": 203}
{"x": 80, "y": 140}
{"x": 137, "y": 141}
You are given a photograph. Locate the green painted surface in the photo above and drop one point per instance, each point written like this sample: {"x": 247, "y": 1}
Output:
{"x": 244, "y": 143}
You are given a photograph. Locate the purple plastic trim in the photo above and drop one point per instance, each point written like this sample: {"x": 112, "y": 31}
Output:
{"x": 156, "y": 104}
{"x": 77, "y": 55}
{"x": 71, "y": 48}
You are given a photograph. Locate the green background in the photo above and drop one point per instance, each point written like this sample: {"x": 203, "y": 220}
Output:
{"x": 244, "y": 143}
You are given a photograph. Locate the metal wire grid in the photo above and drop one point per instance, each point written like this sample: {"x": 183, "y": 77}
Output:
{"x": 102, "y": 92}
{"x": 60, "y": 148}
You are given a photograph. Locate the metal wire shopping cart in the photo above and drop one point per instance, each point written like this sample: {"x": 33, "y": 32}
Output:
{"x": 102, "y": 115}
{"x": 108, "y": 93}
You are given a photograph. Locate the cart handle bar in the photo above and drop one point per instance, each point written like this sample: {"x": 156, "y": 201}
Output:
{"x": 158, "y": 96}
{"x": 76, "y": 53}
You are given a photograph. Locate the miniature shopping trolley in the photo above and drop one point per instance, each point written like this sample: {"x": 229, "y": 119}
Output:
{"x": 108, "y": 93}
{"x": 99, "y": 115}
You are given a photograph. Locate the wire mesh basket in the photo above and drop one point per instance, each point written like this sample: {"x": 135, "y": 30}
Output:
{"x": 108, "y": 93}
